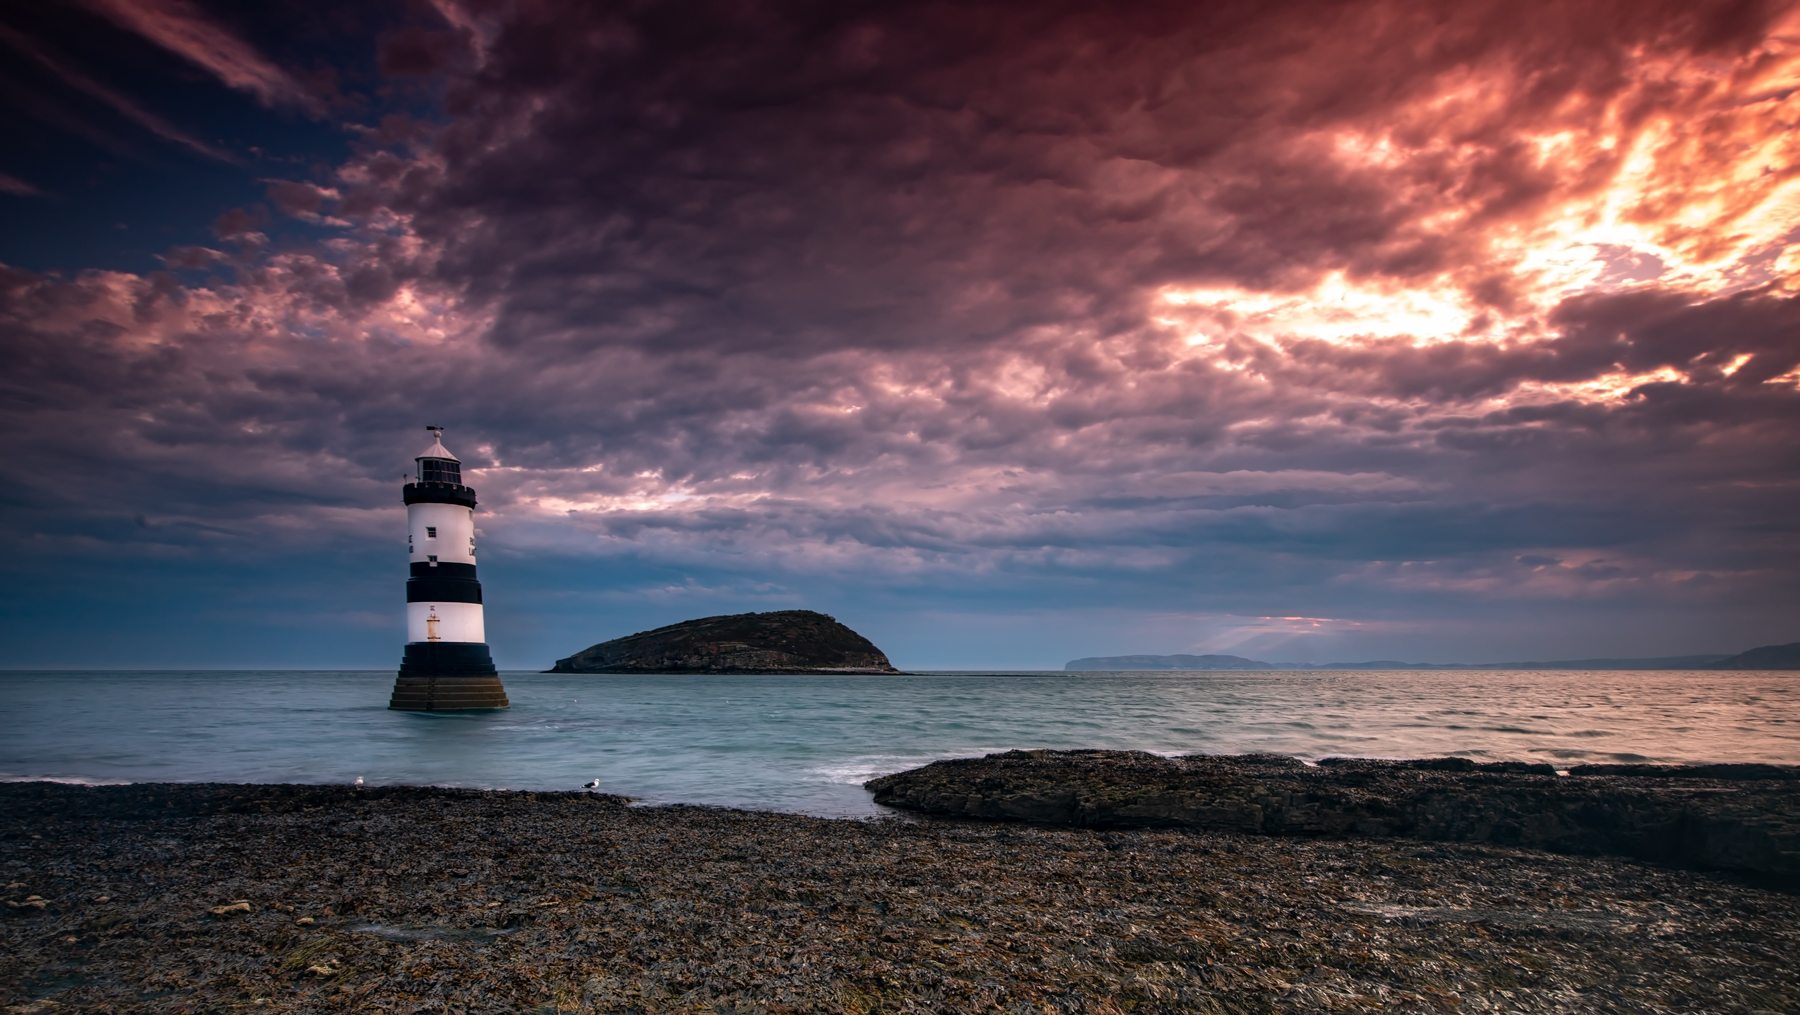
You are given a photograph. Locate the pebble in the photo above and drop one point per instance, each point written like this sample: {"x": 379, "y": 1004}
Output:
{"x": 691, "y": 909}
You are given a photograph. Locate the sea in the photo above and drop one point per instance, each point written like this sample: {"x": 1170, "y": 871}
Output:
{"x": 807, "y": 743}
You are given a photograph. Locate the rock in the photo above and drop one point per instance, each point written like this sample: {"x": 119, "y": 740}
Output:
{"x": 787, "y": 641}
{"x": 102, "y": 898}
{"x": 1724, "y": 770}
{"x": 305, "y": 921}
{"x": 240, "y": 906}
{"x": 322, "y": 970}
{"x": 1743, "y": 818}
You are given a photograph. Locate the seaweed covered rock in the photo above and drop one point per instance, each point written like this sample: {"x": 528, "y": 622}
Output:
{"x": 786, "y": 641}
{"x": 1735, "y": 818}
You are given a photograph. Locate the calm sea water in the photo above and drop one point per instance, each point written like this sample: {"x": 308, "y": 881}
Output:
{"x": 807, "y": 743}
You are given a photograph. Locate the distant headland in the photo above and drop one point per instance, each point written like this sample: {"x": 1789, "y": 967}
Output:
{"x": 1768, "y": 657}
{"x": 1175, "y": 662}
{"x": 785, "y": 641}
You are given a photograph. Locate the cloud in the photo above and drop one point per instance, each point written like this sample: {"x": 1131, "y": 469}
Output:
{"x": 304, "y": 201}
{"x": 121, "y": 104}
{"x": 10, "y": 184}
{"x": 1365, "y": 313}
{"x": 182, "y": 29}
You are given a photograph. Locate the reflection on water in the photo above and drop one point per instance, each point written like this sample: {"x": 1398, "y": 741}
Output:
{"x": 807, "y": 743}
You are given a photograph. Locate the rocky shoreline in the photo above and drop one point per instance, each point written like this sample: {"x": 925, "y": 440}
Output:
{"x": 1739, "y": 818}
{"x": 154, "y": 898}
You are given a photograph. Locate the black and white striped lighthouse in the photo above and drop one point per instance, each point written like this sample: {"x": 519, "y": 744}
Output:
{"x": 447, "y": 666}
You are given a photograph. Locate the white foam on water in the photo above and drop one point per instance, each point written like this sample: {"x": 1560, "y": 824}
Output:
{"x": 65, "y": 780}
{"x": 860, "y": 769}
{"x": 856, "y": 771}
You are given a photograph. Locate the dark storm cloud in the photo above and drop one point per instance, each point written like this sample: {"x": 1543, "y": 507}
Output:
{"x": 925, "y": 303}
{"x": 1017, "y": 166}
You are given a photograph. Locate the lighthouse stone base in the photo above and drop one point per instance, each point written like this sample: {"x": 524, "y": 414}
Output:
{"x": 447, "y": 677}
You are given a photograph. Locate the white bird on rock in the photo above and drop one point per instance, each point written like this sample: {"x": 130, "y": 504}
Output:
{"x": 359, "y": 782}
{"x": 591, "y": 785}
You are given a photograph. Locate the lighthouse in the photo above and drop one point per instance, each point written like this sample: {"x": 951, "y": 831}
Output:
{"x": 446, "y": 666}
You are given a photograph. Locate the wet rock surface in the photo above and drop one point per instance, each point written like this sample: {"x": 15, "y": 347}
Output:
{"x": 1739, "y": 818}
{"x": 430, "y": 900}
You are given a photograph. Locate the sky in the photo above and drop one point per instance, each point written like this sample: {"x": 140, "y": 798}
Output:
{"x": 1006, "y": 333}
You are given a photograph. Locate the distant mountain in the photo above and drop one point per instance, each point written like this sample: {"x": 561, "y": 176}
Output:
{"x": 1376, "y": 664}
{"x": 1177, "y": 662}
{"x": 1698, "y": 662}
{"x": 1714, "y": 660}
{"x": 1651, "y": 663}
{"x": 1768, "y": 657}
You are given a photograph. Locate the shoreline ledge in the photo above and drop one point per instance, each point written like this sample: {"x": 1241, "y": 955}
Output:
{"x": 285, "y": 898}
{"x": 1738, "y": 818}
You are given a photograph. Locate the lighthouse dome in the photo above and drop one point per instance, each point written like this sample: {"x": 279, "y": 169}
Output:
{"x": 437, "y": 464}
{"x": 437, "y": 449}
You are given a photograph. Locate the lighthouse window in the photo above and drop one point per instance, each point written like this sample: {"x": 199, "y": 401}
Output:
{"x": 430, "y": 532}
{"x": 433, "y": 559}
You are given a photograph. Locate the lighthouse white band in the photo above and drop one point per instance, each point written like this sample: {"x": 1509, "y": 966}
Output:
{"x": 446, "y": 531}
{"x": 455, "y": 622}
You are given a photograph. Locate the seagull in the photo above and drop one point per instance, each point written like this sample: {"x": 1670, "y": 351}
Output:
{"x": 591, "y": 785}
{"x": 359, "y": 782}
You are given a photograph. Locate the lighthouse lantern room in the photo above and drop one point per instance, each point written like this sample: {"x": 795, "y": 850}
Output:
{"x": 447, "y": 666}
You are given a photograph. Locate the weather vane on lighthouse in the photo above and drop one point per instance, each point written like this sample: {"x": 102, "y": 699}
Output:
{"x": 447, "y": 666}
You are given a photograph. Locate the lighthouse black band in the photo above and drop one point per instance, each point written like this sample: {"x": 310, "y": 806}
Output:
{"x": 446, "y": 659}
{"x": 443, "y": 590}
{"x": 438, "y": 493}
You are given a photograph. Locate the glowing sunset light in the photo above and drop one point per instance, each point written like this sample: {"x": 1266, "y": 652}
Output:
{"x": 1334, "y": 310}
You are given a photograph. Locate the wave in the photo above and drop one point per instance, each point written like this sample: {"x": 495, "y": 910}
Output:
{"x": 65, "y": 780}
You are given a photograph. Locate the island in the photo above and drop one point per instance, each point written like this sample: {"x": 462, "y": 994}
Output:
{"x": 783, "y": 641}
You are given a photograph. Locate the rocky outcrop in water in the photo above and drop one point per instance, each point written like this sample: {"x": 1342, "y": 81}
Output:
{"x": 1743, "y": 818}
{"x": 786, "y": 641}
